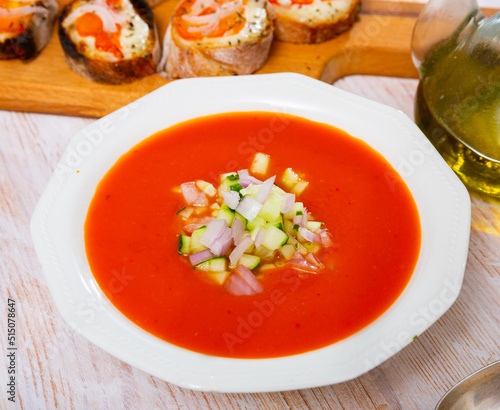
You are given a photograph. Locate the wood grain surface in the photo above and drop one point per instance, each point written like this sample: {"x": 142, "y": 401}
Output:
{"x": 57, "y": 368}
{"x": 381, "y": 35}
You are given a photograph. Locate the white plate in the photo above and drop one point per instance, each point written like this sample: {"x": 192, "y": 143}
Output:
{"x": 442, "y": 201}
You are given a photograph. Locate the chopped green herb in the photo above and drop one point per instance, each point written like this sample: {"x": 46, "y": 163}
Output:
{"x": 414, "y": 337}
{"x": 236, "y": 187}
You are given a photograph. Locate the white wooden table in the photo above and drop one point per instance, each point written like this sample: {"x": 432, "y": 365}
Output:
{"x": 57, "y": 368}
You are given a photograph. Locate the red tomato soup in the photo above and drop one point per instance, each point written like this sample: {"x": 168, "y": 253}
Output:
{"x": 131, "y": 237}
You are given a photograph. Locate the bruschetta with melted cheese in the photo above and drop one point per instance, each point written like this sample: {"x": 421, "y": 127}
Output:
{"x": 25, "y": 27}
{"x": 110, "y": 41}
{"x": 217, "y": 37}
{"x": 313, "y": 21}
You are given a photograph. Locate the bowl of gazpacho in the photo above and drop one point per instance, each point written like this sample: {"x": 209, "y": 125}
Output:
{"x": 254, "y": 233}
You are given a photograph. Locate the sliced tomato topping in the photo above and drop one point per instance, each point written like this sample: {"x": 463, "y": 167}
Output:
{"x": 218, "y": 22}
{"x": 89, "y": 24}
{"x": 13, "y": 24}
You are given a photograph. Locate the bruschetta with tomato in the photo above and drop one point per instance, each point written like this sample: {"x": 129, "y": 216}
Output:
{"x": 25, "y": 27}
{"x": 313, "y": 21}
{"x": 110, "y": 41}
{"x": 217, "y": 37}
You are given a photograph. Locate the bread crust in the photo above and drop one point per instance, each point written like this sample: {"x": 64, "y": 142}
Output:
{"x": 28, "y": 44}
{"x": 293, "y": 31}
{"x": 184, "y": 58}
{"x": 190, "y": 60}
{"x": 116, "y": 72}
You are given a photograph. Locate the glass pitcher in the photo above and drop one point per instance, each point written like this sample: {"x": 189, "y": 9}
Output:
{"x": 457, "y": 106}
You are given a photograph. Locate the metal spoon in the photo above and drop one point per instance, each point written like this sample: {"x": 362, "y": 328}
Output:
{"x": 479, "y": 391}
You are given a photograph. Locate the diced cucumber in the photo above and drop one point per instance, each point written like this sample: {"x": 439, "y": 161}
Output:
{"x": 299, "y": 187}
{"x": 278, "y": 223}
{"x": 271, "y": 210}
{"x": 274, "y": 238}
{"x": 184, "y": 241}
{"x": 206, "y": 187}
{"x": 265, "y": 253}
{"x": 287, "y": 251}
{"x": 219, "y": 277}
{"x": 252, "y": 190}
{"x": 289, "y": 228}
{"x": 258, "y": 221}
{"x": 195, "y": 244}
{"x": 213, "y": 265}
{"x": 313, "y": 226}
{"x": 226, "y": 213}
{"x": 267, "y": 266}
{"x": 297, "y": 206}
{"x": 241, "y": 218}
{"x": 290, "y": 178}
{"x": 312, "y": 247}
{"x": 260, "y": 163}
{"x": 249, "y": 261}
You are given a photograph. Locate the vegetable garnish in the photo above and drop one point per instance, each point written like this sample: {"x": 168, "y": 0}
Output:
{"x": 248, "y": 227}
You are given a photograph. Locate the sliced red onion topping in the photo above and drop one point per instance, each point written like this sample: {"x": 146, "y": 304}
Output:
{"x": 23, "y": 11}
{"x": 265, "y": 189}
{"x": 309, "y": 236}
{"x": 201, "y": 256}
{"x": 242, "y": 282}
{"x": 259, "y": 237}
{"x": 231, "y": 198}
{"x": 249, "y": 208}
{"x": 215, "y": 229}
{"x": 239, "y": 250}
{"x": 223, "y": 243}
{"x": 288, "y": 203}
{"x": 189, "y": 192}
{"x": 237, "y": 230}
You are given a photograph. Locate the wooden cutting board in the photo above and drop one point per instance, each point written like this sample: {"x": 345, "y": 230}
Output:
{"x": 379, "y": 44}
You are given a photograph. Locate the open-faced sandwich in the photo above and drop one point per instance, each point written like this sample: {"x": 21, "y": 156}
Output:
{"x": 313, "y": 21}
{"x": 110, "y": 41}
{"x": 25, "y": 27}
{"x": 217, "y": 37}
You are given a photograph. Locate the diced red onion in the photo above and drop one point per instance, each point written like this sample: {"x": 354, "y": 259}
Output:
{"x": 249, "y": 208}
{"x": 223, "y": 243}
{"x": 265, "y": 189}
{"x": 289, "y": 201}
{"x": 243, "y": 282}
{"x": 215, "y": 229}
{"x": 247, "y": 180}
{"x": 298, "y": 255}
{"x": 237, "y": 230}
{"x": 243, "y": 173}
{"x": 189, "y": 192}
{"x": 259, "y": 237}
{"x": 312, "y": 259}
{"x": 325, "y": 237}
{"x": 297, "y": 220}
{"x": 304, "y": 217}
{"x": 201, "y": 200}
{"x": 239, "y": 250}
{"x": 236, "y": 285}
{"x": 201, "y": 256}
{"x": 249, "y": 278}
{"x": 231, "y": 198}
{"x": 309, "y": 236}
{"x": 302, "y": 264}
{"x": 190, "y": 228}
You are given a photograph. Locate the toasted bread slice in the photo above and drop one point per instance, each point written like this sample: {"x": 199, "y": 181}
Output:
{"x": 110, "y": 41}
{"x": 209, "y": 38}
{"x": 25, "y": 27}
{"x": 313, "y": 21}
